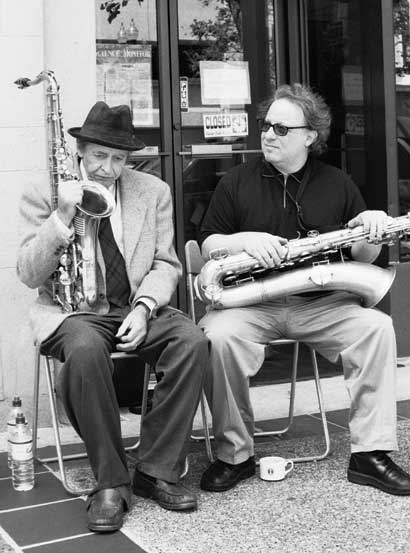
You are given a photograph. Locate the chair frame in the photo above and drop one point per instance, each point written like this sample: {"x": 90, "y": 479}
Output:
{"x": 194, "y": 262}
{"x": 60, "y": 458}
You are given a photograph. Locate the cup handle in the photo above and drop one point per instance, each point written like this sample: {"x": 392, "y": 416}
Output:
{"x": 289, "y": 467}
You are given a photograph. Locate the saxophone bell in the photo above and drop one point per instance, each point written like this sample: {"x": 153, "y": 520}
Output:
{"x": 97, "y": 203}
{"x": 97, "y": 200}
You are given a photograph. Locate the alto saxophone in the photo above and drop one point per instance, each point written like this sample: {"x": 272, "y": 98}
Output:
{"x": 74, "y": 281}
{"x": 238, "y": 280}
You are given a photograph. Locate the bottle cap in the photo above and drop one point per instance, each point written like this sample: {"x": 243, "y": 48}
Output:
{"x": 20, "y": 418}
{"x": 16, "y": 401}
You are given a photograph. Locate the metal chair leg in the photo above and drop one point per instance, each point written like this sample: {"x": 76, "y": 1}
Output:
{"x": 60, "y": 458}
{"x": 295, "y": 361}
{"x": 36, "y": 400}
{"x": 57, "y": 438}
{"x": 326, "y": 452}
{"x": 313, "y": 357}
{"x": 207, "y": 437}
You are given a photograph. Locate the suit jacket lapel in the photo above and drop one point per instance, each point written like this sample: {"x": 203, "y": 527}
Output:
{"x": 133, "y": 215}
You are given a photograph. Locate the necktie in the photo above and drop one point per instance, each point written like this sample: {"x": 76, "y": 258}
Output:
{"x": 117, "y": 283}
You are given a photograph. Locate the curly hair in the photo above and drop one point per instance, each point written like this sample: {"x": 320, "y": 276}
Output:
{"x": 315, "y": 110}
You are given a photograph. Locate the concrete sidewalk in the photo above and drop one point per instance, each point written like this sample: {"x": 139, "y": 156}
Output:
{"x": 314, "y": 510}
{"x": 270, "y": 402}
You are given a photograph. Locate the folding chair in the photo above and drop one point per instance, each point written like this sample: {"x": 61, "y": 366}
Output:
{"x": 194, "y": 263}
{"x": 48, "y": 365}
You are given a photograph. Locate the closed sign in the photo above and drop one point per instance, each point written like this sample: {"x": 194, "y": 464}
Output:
{"x": 225, "y": 124}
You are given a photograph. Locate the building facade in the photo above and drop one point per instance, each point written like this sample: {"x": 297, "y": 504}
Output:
{"x": 192, "y": 72}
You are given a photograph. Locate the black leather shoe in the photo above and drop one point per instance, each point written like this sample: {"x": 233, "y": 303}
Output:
{"x": 174, "y": 497}
{"x": 221, "y": 476}
{"x": 375, "y": 468}
{"x": 106, "y": 510}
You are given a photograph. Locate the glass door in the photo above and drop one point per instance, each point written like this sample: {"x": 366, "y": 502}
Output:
{"x": 192, "y": 73}
{"x": 219, "y": 73}
{"x": 132, "y": 50}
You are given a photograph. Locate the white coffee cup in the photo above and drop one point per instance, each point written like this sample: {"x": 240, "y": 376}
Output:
{"x": 274, "y": 468}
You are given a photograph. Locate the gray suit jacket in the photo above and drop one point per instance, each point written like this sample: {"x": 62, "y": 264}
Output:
{"x": 152, "y": 265}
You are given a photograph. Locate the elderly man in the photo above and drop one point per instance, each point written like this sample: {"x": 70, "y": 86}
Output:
{"x": 137, "y": 271}
{"x": 256, "y": 208}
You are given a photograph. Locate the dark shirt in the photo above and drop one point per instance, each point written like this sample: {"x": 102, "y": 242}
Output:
{"x": 253, "y": 197}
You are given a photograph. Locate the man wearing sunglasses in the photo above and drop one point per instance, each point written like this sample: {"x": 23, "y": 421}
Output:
{"x": 257, "y": 207}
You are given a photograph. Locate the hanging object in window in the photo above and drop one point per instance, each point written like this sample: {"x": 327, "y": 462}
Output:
{"x": 122, "y": 35}
{"x": 114, "y": 8}
{"x": 132, "y": 32}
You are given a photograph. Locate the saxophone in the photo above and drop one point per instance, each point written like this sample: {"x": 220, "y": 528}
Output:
{"x": 237, "y": 280}
{"x": 74, "y": 281}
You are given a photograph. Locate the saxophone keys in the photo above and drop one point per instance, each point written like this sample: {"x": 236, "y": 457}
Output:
{"x": 66, "y": 260}
{"x": 321, "y": 275}
{"x": 229, "y": 279}
{"x": 67, "y": 307}
{"x": 212, "y": 292}
{"x": 78, "y": 297}
{"x": 219, "y": 253}
{"x": 65, "y": 278}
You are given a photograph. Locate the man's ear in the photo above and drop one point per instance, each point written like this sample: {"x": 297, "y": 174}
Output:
{"x": 311, "y": 136}
{"x": 80, "y": 145}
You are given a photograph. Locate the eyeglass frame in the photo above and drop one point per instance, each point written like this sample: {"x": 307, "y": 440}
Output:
{"x": 263, "y": 123}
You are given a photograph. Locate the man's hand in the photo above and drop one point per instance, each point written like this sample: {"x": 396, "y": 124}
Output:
{"x": 70, "y": 194}
{"x": 374, "y": 223}
{"x": 133, "y": 329}
{"x": 266, "y": 248}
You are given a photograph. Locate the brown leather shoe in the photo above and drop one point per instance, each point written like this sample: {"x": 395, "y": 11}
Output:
{"x": 106, "y": 509}
{"x": 375, "y": 468}
{"x": 174, "y": 497}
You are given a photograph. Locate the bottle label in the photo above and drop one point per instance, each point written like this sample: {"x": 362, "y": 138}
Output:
{"x": 11, "y": 425}
{"x": 22, "y": 451}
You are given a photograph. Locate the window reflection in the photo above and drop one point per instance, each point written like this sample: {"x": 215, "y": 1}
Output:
{"x": 209, "y": 31}
{"x": 127, "y": 70}
{"x": 336, "y": 71}
{"x": 212, "y": 32}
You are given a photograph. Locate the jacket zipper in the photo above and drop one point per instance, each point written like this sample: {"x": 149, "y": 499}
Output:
{"x": 285, "y": 181}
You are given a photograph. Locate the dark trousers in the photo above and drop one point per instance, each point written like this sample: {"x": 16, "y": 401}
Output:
{"x": 177, "y": 349}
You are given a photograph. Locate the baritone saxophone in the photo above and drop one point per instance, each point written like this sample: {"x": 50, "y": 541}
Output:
{"x": 74, "y": 281}
{"x": 238, "y": 280}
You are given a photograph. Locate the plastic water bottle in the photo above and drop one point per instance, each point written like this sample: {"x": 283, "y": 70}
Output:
{"x": 22, "y": 469}
{"x": 11, "y": 424}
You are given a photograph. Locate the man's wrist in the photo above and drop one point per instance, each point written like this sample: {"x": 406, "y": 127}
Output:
{"x": 64, "y": 217}
{"x": 145, "y": 307}
{"x": 67, "y": 232}
{"x": 149, "y": 303}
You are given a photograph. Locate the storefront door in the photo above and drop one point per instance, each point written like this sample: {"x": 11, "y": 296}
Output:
{"x": 192, "y": 72}
{"x": 222, "y": 74}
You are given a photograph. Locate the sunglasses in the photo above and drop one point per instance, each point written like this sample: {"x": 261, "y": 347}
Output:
{"x": 278, "y": 128}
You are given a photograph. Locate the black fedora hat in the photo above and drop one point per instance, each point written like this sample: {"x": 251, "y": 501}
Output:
{"x": 110, "y": 127}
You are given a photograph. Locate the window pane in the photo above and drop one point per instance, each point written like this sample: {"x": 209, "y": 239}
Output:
{"x": 127, "y": 70}
{"x": 336, "y": 72}
{"x": 402, "y": 62}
